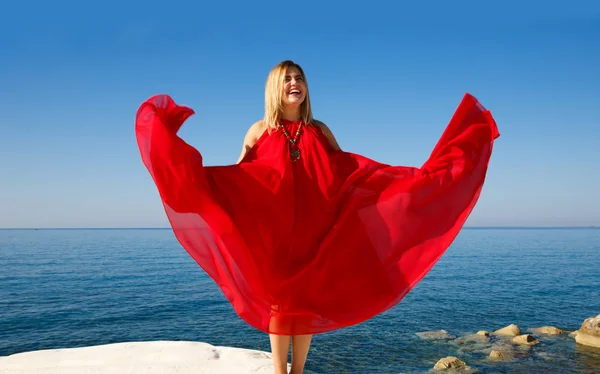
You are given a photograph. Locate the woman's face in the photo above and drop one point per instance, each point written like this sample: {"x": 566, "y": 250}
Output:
{"x": 294, "y": 87}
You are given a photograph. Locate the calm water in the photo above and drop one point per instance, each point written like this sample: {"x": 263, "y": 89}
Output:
{"x": 72, "y": 288}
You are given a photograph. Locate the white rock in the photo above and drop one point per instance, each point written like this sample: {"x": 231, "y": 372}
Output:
{"x": 589, "y": 332}
{"x": 160, "y": 357}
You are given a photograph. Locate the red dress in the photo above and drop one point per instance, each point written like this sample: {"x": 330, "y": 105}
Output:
{"x": 322, "y": 243}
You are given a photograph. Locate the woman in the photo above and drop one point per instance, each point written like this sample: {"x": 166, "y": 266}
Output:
{"x": 302, "y": 237}
{"x": 286, "y": 99}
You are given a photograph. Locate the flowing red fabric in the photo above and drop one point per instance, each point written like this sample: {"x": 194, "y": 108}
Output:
{"x": 322, "y": 243}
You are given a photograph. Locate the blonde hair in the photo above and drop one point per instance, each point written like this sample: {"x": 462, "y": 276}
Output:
{"x": 274, "y": 96}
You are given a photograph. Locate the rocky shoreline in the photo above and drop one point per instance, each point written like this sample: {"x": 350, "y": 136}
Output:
{"x": 507, "y": 344}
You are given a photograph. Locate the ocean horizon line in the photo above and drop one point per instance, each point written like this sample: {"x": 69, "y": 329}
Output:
{"x": 491, "y": 227}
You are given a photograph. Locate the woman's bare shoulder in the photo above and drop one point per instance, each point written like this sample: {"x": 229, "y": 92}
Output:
{"x": 257, "y": 128}
{"x": 328, "y": 134}
{"x": 252, "y": 135}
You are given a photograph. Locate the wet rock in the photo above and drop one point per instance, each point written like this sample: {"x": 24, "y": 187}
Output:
{"x": 435, "y": 335}
{"x": 471, "y": 338}
{"x": 501, "y": 355}
{"x": 525, "y": 339}
{"x": 548, "y": 356}
{"x": 483, "y": 333}
{"x": 546, "y": 330}
{"x": 502, "y": 347}
{"x": 472, "y": 343}
{"x": 501, "y": 352}
{"x": 510, "y": 330}
{"x": 451, "y": 362}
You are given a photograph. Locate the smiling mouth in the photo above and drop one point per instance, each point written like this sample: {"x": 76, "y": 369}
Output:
{"x": 294, "y": 92}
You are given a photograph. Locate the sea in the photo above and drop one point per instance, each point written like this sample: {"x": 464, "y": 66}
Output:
{"x": 64, "y": 288}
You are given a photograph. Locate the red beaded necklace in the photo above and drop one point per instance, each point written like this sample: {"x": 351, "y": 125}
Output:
{"x": 294, "y": 150}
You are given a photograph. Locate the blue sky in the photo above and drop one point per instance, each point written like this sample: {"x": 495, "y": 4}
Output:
{"x": 385, "y": 76}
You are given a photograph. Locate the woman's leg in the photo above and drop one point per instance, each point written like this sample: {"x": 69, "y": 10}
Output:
{"x": 300, "y": 345}
{"x": 280, "y": 347}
